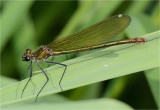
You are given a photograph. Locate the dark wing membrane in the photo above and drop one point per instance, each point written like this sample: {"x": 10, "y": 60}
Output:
{"x": 96, "y": 34}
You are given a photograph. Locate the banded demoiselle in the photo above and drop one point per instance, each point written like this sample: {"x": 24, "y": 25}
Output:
{"x": 93, "y": 37}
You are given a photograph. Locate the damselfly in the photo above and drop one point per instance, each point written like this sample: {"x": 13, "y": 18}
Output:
{"x": 93, "y": 37}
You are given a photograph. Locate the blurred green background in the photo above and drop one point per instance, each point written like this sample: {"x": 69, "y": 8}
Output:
{"x": 29, "y": 24}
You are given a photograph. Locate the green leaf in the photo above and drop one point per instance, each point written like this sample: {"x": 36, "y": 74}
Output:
{"x": 154, "y": 81}
{"x": 85, "y": 15}
{"x": 84, "y": 92}
{"x": 6, "y": 81}
{"x": 98, "y": 104}
{"x": 12, "y": 15}
{"x": 142, "y": 25}
{"x": 95, "y": 67}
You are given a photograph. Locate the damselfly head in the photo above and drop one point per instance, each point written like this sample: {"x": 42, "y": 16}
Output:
{"x": 27, "y": 55}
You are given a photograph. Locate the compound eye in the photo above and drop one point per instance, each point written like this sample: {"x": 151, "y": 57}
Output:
{"x": 27, "y": 58}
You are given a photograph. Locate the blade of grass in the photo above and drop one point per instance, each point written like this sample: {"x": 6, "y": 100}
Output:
{"x": 84, "y": 92}
{"x": 23, "y": 39}
{"x": 4, "y": 81}
{"x": 154, "y": 81}
{"x": 95, "y": 67}
{"x": 98, "y": 104}
{"x": 142, "y": 25}
{"x": 86, "y": 12}
{"x": 140, "y": 7}
{"x": 50, "y": 12}
{"x": 13, "y": 13}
